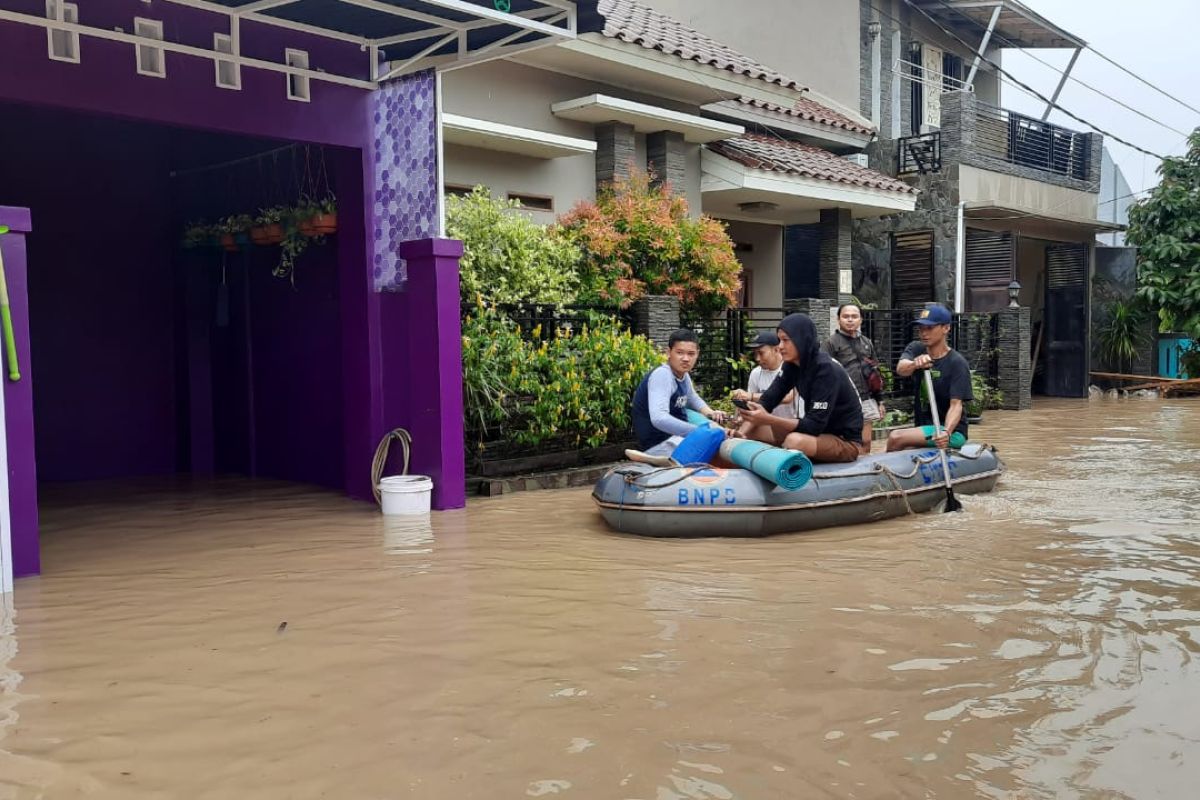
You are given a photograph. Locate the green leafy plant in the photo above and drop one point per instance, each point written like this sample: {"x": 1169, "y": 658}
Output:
{"x": 236, "y": 223}
{"x": 1165, "y": 227}
{"x": 199, "y": 234}
{"x": 1189, "y": 360}
{"x": 895, "y": 418}
{"x": 639, "y": 239}
{"x": 1122, "y": 334}
{"x": 271, "y": 216}
{"x": 568, "y": 385}
{"x": 985, "y": 395}
{"x": 507, "y": 257}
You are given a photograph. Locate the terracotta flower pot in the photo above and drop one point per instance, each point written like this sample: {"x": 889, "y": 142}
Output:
{"x": 229, "y": 243}
{"x": 306, "y": 228}
{"x": 258, "y": 235}
{"x": 274, "y": 233}
{"x": 325, "y": 223}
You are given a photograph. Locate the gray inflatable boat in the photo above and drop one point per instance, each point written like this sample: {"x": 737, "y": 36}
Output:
{"x": 694, "y": 502}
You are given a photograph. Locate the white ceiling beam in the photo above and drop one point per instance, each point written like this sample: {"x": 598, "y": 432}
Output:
{"x": 428, "y": 33}
{"x": 174, "y": 47}
{"x": 263, "y": 19}
{"x": 404, "y": 13}
{"x": 499, "y": 16}
{"x": 399, "y": 70}
{"x": 260, "y": 5}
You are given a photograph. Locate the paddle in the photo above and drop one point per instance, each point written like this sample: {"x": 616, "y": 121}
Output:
{"x": 952, "y": 503}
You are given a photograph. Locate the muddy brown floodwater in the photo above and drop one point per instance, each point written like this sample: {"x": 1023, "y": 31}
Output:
{"x": 1041, "y": 645}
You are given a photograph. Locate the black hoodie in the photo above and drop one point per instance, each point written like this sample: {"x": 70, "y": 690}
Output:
{"x": 831, "y": 403}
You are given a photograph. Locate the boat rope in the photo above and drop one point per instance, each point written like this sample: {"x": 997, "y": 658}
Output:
{"x": 686, "y": 471}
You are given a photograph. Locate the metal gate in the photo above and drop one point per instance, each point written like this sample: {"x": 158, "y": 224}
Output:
{"x": 1066, "y": 320}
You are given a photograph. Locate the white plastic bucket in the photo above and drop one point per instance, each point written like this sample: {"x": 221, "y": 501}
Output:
{"x": 402, "y": 495}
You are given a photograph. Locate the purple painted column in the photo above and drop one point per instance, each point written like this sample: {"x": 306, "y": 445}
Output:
{"x": 18, "y": 400}
{"x": 431, "y": 382}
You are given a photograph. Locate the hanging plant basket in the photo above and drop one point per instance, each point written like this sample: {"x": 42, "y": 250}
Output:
{"x": 229, "y": 243}
{"x": 274, "y": 233}
{"x": 306, "y": 228}
{"x": 258, "y": 235}
{"x": 325, "y": 223}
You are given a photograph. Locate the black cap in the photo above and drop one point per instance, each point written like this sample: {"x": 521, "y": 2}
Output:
{"x": 764, "y": 339}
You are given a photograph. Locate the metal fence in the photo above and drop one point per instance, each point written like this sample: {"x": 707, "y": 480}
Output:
{"x": 725, "y": 361}
{"x": 548, "y": 320}
{"x": 1031, "y": 142}
{"x": 919, "y": 154}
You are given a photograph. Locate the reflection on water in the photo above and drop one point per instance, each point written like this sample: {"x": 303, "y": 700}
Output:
{"x": 1040, "y": 645}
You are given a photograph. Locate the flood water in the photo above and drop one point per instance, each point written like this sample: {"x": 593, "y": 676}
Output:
{"x": 1040, "y": 645}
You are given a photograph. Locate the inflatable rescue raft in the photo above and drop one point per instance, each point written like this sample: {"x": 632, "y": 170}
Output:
{"x": 699, "y": 501}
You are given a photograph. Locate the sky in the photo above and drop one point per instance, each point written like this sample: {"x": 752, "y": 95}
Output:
{"x": 1155, "y": 39}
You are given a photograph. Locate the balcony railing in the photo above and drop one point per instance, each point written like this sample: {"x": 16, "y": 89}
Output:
{"x": 1030, "y": 142}
{"x": 919, "y": 154}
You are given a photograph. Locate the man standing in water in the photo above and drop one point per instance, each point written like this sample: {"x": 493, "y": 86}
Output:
{"x": 856, "y": 353}
{"x": 831, "y": 430}
{"x": 665, "y": 394}
{"x": 951, "y": 385}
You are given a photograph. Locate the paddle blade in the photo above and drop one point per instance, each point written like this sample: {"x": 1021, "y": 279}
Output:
{"x": 952, "y": 503}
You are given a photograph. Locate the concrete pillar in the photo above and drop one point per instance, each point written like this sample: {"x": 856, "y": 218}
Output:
{"x": 421, "y": 336}
{"x": 836, "y": 278}
{"x": 655, "y": 317}
{"x": 666, "y": 156}
{"x": 616, "y": 152}
{"x": 18, "y": 400}
{"x": 820, "y": 309}
{"x": 1016, "y": 367}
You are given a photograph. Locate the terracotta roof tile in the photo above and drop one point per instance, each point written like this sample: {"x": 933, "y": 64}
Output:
{"x": 808, "y": 109}
{"x": 793, "y": 158}
{"x": 634, "y": 23}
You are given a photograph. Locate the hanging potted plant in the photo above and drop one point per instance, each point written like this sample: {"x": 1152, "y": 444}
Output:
{"x": 294, "y": 243}
{"x": 197, "y": 234}
{"x": 269, "y": 226}
{"x": 303, "y": 215}
{"x": 235, "y": 232}
{"x": 325, "y": 220}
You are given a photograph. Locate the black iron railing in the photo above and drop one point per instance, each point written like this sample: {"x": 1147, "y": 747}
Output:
{"x": 1030, "y": 142}
{"x": 919, "y": 154}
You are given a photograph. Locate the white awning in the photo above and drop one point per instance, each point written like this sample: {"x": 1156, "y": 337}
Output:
{"x": 489, "y": 135}
{"x": 396, "y": 37}
{"x": 645, "y": 118}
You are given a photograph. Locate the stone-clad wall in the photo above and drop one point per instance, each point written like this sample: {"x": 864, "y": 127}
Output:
{"x": 1016, "y": 366}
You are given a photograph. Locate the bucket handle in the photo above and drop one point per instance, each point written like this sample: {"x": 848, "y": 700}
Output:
{"x": 381, "y": 457}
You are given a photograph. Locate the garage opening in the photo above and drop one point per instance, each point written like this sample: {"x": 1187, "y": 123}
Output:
{"x": 152, "y": 358}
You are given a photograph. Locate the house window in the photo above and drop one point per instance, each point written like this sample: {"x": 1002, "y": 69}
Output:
{"x": 63, "y": 45}
{"x": 952, "y": 73}
{"x": 801, "y": 261}
{"x": 150, "y": 59}
{"x": 533, "y": 202}
{"x": 990, "y": 266}
{"x": 229, "y": 73}
{"x": 912, "y": 269}
{"x": 297, "y": 85}
{"x": 457, "y": 190}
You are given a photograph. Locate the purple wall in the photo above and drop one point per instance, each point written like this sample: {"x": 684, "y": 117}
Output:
{"x": 18, "y": 401}
{"x": 106, "y": 80}
{"x": 100, "y": 290}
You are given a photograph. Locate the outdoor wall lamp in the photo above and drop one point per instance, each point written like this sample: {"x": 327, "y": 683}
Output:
{"x": 874, "y": 29}
{"x": 1014, "y": 291}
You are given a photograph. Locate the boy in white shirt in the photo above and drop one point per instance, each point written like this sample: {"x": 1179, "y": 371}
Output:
{"x": 770, "y": 365}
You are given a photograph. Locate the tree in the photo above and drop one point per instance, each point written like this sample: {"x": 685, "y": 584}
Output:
{"x": 1165, "y": 227}
{"x": 638, "y": 238}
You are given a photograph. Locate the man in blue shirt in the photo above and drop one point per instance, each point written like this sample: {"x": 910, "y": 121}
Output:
{"x": 665, "y": 394}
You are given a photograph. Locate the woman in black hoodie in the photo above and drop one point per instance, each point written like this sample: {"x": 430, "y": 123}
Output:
{"x": 831, "y": 429}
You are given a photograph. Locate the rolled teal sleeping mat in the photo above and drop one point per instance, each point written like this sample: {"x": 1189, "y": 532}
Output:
{"x": 785, "y": 468}
{"x": 696, "y": 418}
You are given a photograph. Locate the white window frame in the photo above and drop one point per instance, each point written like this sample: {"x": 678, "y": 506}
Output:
{"x": 149, "y": 29}
{"x": 299, "y": 87}
{"x": 70, "y": 14}
{"x": 223, "y": 43}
